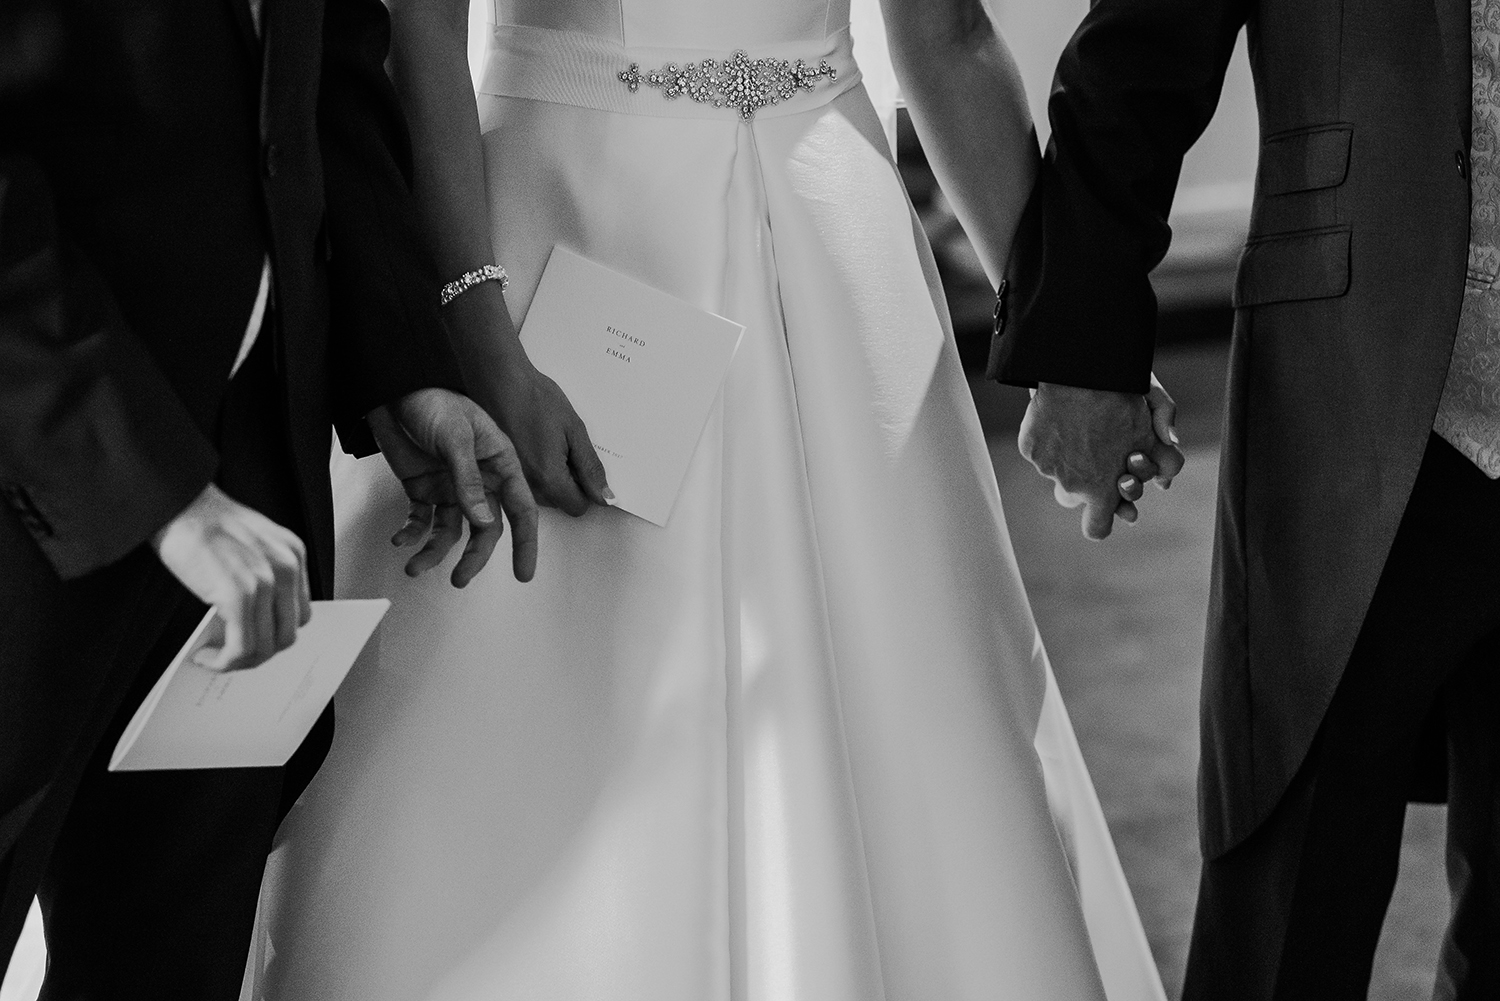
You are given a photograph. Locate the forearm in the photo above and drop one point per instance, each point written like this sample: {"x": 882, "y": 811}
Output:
{"x": 969, "y": 107}
{"x": 386, "y": 336}
{"x": 431, "y": 73}
{"x": 1134, "y": 89}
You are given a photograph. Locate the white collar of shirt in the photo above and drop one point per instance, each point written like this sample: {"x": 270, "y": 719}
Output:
{"x": 263, "y": 295}
{"x": 257, "y": 317}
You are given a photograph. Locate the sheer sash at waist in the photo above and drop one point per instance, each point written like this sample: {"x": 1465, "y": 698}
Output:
{"x": 565, "y": 67}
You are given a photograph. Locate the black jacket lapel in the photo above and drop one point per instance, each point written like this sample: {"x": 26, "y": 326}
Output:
{"x": 1455, "y": 32}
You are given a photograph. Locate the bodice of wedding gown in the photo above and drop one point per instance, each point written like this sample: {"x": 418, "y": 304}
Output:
{"x": 707, "y": 25}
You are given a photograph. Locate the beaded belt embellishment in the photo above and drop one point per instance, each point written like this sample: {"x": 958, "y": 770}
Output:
{"x": 738, "y": 82}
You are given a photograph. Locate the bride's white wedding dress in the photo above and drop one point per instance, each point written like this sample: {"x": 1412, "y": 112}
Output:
{"x": 791, "y": 746}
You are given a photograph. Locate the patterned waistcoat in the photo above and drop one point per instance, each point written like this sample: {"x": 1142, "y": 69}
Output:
{"x": 1469, "y": 413}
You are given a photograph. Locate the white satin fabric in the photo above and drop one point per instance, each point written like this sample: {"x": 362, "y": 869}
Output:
{"x": 793, "y": 745}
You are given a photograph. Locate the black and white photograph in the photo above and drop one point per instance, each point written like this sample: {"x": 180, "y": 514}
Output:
{"x": 749, "y": 500}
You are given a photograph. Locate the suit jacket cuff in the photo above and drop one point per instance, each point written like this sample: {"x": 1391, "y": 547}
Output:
{"x": 97, "y": 452}
{"x": 1080, "y": 310}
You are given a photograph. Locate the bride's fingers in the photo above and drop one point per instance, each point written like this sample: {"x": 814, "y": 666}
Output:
{"x": 1127, "y": 512}
{"x": 1163, "y": 413}
{"x": 588, "y": 470}
{"x": 1131, "y": 488}
{"x": 1168, "y": 460}
{"x": 447, "y": 529}
{"x": 418, "y": 519}
{"x": 564, "y": 492}
{"x": 1139, "y": 465}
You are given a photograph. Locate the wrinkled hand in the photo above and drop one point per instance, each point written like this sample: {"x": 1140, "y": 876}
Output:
{"x": 250, "y": 569}
{"x": 1100, "y": 447}
{"x": 456, "y": 466}
{"x": 556, "y": 452}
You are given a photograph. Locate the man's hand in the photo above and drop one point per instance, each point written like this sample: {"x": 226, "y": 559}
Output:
{"x": 1099, "y": 447}
{"x": 456, "y": 466}
{"x": 250, "y": 569}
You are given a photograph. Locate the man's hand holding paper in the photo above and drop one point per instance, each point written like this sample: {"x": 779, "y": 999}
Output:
{"x": 250, "y": 569}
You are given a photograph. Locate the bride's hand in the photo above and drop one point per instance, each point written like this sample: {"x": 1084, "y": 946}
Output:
{"x": 556, "y": 452}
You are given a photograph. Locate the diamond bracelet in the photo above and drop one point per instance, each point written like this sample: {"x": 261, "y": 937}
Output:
{"x": 466, "y": 281}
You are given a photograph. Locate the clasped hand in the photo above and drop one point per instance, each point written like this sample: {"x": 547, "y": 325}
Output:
{"x": 1100, "y": 448}
{"x": 455, "y": 465}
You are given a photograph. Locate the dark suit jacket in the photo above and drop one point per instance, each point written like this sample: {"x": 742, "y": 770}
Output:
{"x": 150, "y": 155}
{"x": 1347, "y": 301}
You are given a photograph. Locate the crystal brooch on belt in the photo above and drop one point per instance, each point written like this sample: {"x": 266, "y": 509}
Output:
{"x": 738, "y": 82}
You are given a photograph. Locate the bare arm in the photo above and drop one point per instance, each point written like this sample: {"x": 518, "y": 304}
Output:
{"x": 429, "y": 63}
{"x": 969, "y": 107}
{"x": 429, "y": 60}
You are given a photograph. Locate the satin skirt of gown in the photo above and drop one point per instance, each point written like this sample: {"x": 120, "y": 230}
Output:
{"x": 802, "y": 743}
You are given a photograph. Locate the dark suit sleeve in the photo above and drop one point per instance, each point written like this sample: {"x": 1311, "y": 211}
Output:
{"x": 1135, "y": 88}
{"x": 96, "y": 450}
{"x": 388, "y": 338}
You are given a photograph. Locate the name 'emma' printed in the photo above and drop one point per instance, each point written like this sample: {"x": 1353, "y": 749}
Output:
{"x": 617, "y": 352}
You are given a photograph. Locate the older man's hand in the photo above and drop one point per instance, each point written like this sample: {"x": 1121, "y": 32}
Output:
{"x": 1099, "y": 447}
{"x": 456, "y": 466}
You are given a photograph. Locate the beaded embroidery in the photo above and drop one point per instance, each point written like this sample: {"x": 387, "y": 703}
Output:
{"x": 738, "y": 82}
{"x": 466, "y": 281}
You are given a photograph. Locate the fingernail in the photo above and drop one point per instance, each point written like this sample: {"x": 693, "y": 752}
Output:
{"x": 482, "y": 515}
{"x": 609, "y": 494}
{"x": 1172, "y": 434}
{"x": 1127, "y": 482}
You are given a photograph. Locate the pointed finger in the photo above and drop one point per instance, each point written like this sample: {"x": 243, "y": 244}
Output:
{"x": 508, "y": 484}
{"x": 457, "y": 451}
{"x": 477, "y": 551}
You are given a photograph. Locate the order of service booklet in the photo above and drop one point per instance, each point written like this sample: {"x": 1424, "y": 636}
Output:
{"x": 197, "y": 718}
{"x": 641, "y": 368}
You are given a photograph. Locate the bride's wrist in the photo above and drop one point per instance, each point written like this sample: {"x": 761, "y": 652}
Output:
{"x": 486, "y": 336}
